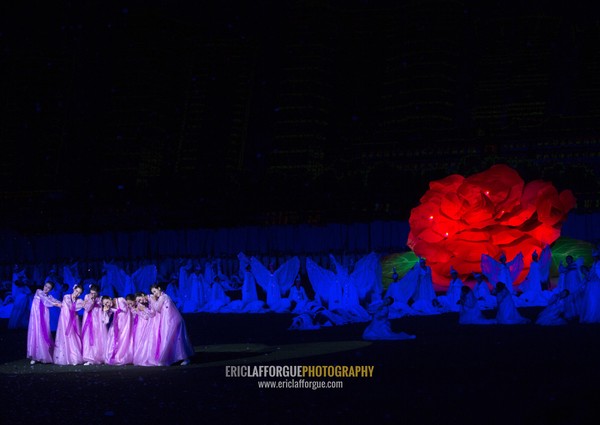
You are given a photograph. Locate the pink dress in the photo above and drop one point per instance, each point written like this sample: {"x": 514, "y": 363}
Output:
{"x": 172, "y": 341}
{"x": 40, "y": 345}
{"x": 144, "y": 339}
{"x": 93, "y": 331}
{"x": 119, "y": 349}
{"x": 68, "y": 349}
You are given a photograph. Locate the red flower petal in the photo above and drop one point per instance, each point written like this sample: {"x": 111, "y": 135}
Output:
{"x": 461, "y": 218}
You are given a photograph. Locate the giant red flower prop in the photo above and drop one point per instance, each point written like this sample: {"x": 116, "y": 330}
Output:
{"x": 494, "y": 211}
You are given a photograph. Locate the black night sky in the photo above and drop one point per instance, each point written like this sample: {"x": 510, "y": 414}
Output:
{"x": 161, "y": 114}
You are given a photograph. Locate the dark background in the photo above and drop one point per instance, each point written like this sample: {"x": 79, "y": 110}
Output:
{"x": 180, "y": 114}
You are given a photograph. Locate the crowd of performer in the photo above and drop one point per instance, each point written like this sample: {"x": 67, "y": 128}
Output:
{"x": 112, "y": 320}
{"x": 138, "y": 329}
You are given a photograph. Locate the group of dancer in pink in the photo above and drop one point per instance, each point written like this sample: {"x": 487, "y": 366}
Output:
{"x": 140, "y": 329}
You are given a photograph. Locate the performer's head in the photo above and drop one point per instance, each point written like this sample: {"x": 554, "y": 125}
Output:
{"x": 140, "y": 298}
{"x": 107, "y": 302}
{"x": 48, "y": 286}
{"x": 569, "y": 259}
{"x": 130, "y": 299}
{"x": 94, "y": 291}
{"x": 77, "y": 290}
{"x": 156, "y": 290}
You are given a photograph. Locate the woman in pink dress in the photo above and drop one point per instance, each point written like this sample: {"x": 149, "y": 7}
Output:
{"x": 107, "y": 303}
{"x": 93, "y": 331}
{"x": 40, "y": 345}
{"x": 144, "y": 341}
{"x": 118, "y": 346}
{"x": 69, "y": 349}
{"x": 172, "y": 341}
